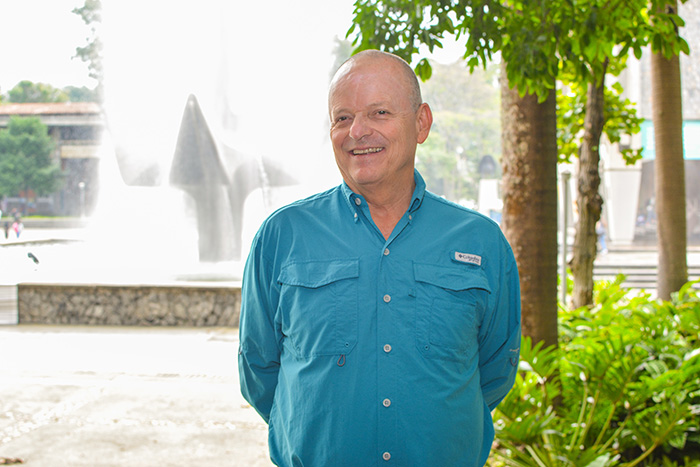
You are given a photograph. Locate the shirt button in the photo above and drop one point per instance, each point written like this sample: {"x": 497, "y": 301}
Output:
{"x": 386, "y": 402}
{"x": 386, "y": 456}
{"x": 358, "y": 201}
{"x": 410, "y": 217}
{"x": 386, "y": 252}
{"x": 387, "y": 348}
{"x": 387, "y": 298}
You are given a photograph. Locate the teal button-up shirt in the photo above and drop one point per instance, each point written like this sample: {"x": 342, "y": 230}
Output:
{"x": 361, "y": 351}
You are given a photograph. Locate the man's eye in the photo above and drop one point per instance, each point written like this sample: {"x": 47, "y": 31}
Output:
{"x": 382, "y": 112}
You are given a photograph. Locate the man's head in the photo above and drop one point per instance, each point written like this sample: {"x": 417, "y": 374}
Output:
{"x": 377, "y": 120}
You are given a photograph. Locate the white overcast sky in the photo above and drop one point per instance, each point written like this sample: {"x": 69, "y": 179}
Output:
{"x": 37, "y": 40}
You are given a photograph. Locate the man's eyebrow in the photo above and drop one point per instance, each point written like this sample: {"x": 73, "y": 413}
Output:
{"x": 334, "y": 112}
{"x": 371, "y": 106}
{"x": 380, "y": 104}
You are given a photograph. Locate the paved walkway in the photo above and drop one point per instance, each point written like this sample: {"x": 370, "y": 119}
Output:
{"x": 108, "y": 396}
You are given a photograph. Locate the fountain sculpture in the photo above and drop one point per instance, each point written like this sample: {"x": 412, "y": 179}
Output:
{"x": 218, "y": 183}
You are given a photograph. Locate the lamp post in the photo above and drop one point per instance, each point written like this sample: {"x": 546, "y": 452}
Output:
{"x": 564, "y": 227}
{"x": 81, "y": 187}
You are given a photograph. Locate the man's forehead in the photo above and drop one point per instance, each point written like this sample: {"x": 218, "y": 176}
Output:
{"x": 366, "y": 65}
{"x": 367, "y": 79}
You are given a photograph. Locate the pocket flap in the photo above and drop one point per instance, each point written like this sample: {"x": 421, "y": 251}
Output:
{"x": 315, "y": 274}
{"x": 451, "y": 278}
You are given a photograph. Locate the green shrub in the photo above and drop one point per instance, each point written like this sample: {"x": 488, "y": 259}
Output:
{"x": 622, "y": 388}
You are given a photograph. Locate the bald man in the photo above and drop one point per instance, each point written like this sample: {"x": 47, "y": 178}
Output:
{"x": 380, "y": 323}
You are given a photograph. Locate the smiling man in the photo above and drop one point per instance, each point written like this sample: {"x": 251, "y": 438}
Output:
{"x": 380, "y": 323}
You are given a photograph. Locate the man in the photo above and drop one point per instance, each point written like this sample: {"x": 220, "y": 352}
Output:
{"x": 380, "y": 324}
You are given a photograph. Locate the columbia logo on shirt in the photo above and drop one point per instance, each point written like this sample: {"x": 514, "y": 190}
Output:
{"x": 468, "y": 258}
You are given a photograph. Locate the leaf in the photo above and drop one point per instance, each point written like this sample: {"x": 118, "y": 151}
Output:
{"x": 424, "y": 70}
{"x": 600, "y": 461}
{"x": 656, "y": 368}
{"x": 685, "y": 48}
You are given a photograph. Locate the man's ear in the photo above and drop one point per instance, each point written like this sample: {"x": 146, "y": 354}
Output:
{"x": 424, "y": 121}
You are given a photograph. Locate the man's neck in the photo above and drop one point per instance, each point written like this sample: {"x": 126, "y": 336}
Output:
{"x": 388, "y": 205}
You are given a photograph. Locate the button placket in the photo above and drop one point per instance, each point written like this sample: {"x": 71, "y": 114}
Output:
{"x": 387, "y": 416}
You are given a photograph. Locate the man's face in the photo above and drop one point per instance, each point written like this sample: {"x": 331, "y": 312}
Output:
{"x": 374, "y": 127}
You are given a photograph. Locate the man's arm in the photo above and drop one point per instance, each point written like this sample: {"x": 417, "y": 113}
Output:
{"x": 499, "y": 336}
{"x": 259, "y": 353}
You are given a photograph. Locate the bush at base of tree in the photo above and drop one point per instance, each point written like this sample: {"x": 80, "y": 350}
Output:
{"x": 622, "y": 389}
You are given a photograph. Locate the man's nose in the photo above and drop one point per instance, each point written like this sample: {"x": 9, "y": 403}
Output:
{"x": 360, "y": 127}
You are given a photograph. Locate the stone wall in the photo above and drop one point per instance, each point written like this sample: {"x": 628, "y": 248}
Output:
{"x": 129, "y": 305}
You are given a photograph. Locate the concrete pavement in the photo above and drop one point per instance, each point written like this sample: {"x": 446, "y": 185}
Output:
{"x": 108, "y": 396}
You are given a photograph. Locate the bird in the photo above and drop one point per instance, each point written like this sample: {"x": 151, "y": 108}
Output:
{"x": 31, "y": 256}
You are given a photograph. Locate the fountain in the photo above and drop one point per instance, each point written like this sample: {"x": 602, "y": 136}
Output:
{"x": 183, "y": 192}
{"x": 218, "y": 191}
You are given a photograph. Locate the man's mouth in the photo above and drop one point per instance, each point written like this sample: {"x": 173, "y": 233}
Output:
{"x": 359, "y": 152}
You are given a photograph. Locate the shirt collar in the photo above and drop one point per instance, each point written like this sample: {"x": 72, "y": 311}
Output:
{"x": 418, "y": 192}
{"x": 416, "y": 199}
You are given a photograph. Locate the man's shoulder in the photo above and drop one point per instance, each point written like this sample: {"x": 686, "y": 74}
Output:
{"x": 310, "y": 203}
{"x": 314, "y": 206}
{"x": 457, "y": 212}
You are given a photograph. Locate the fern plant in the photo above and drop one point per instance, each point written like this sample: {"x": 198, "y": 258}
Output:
{"x": 622, "y": 389}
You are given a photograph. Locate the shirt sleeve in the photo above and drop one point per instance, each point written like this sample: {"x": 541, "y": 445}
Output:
{"x": 259, "y": 353}
{"x": 499, "y": 336}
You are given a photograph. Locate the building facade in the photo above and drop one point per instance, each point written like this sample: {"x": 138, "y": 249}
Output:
{"x": 76, "y": 129}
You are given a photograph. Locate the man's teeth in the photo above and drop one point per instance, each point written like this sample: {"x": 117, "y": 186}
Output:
{"x": 357, "y": 152}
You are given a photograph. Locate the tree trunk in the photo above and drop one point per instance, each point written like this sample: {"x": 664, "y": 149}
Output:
{"x": 669, "y": 172}
{"x": 530, "y": 205}
{"x": 589, "y": 201}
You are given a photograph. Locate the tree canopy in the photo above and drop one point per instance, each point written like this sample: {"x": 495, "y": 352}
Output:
{"x": 25, "y": 159}
{"x": 91, "y": 52}
{"x": 535, "y": 39}
{"x": 27, "y": 91}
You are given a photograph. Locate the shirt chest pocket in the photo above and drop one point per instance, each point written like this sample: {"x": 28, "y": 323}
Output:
{"x": 450, "y": 302}
{"x": 318, "y": 306}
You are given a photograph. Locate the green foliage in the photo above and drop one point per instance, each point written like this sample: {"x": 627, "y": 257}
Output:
{"x": 27, "y": 91}
{"x": 620, "y": 119}
{"x": 91, "y": 53}
{"x": 622, "y": 388}
{"x": 25, "y": 158}
{"x": 466, "y": 127}
{"x": 81, "y": 94}
{"x": 537, "y": 40}
{"x": 524, "y": 36}
{"x": 665, "y": 38}
{"x": 438, "y": 166}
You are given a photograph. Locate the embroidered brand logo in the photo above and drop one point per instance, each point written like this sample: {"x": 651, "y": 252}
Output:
{"x": 467, "y": 258}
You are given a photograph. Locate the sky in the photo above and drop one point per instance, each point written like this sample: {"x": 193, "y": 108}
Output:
{"x": 39, "y": 39}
